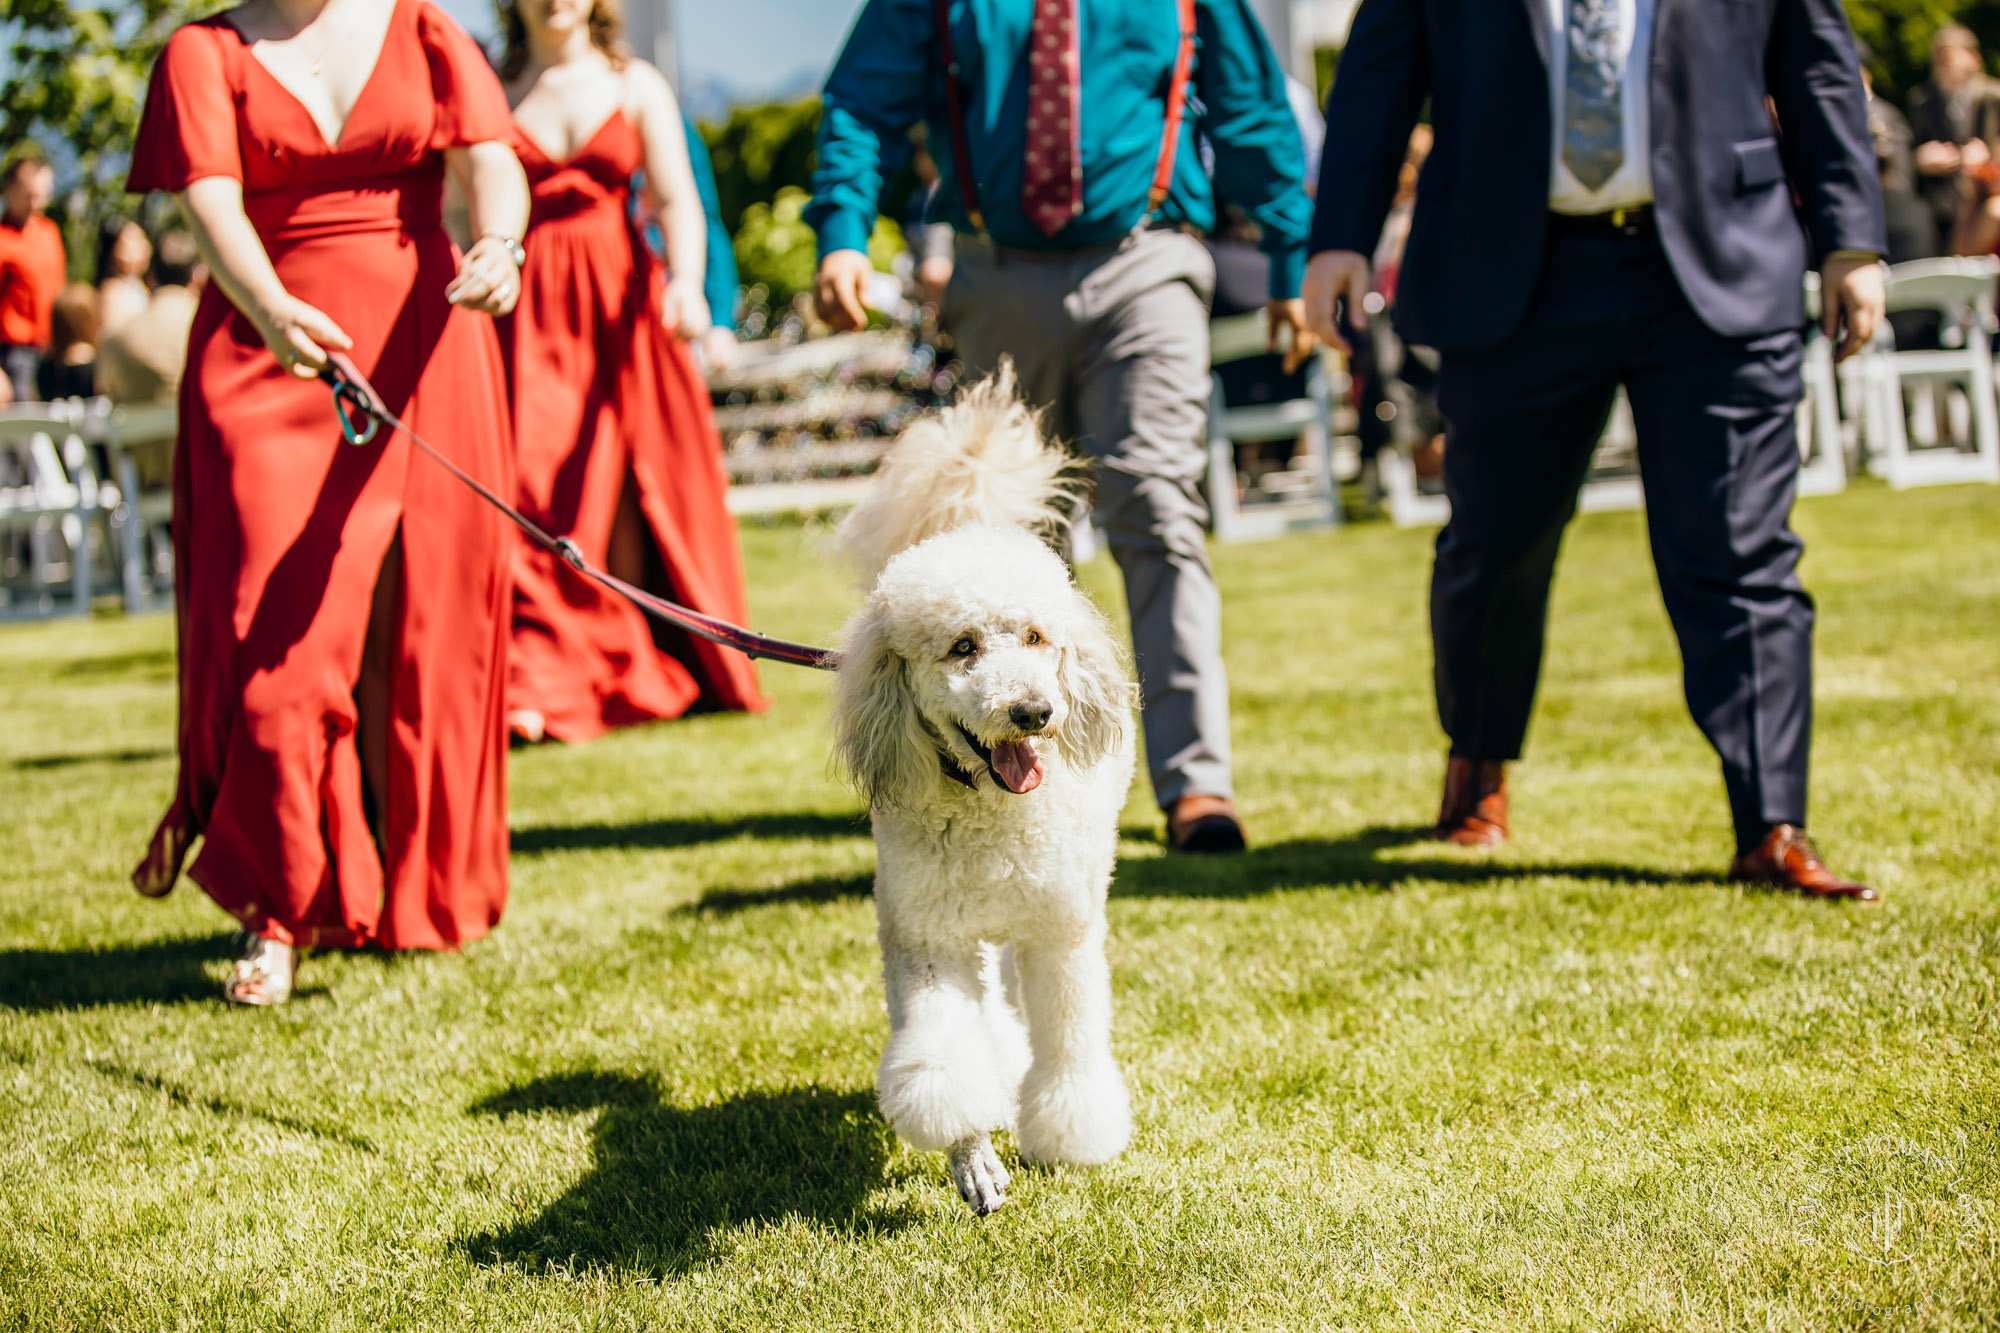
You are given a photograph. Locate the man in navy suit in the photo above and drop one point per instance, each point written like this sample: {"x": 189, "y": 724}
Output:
{"x": 1621, "y": 192}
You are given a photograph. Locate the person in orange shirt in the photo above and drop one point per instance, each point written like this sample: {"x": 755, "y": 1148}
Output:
{"x": 32, "y": 269}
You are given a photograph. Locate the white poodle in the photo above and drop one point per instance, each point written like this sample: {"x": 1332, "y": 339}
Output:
{"x": 986, "y": 712}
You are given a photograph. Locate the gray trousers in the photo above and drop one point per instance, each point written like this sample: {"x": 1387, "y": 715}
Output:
{"x": 1113, "y": 342}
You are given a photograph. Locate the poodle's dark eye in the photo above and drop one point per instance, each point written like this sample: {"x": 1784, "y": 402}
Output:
{"x": 965, "y": 647}
{"x": 1032, "y": 638}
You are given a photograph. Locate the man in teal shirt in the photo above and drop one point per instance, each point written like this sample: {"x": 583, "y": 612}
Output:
{"x": 1098, "y": 288}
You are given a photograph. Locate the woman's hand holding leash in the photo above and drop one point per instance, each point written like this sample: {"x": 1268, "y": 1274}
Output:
{"x": 299, "y": 335}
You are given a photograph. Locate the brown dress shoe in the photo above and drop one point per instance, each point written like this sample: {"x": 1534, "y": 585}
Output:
{"x": 1786, "y": 859}
{"x": 1204, "y": 825}
{"x": 1474, "y": 811}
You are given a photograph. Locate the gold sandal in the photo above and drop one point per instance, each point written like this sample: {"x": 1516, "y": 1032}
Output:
{"x": 263, "y": 973}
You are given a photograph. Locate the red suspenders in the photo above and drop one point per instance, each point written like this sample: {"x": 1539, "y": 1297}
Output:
{"x": 1170, "y": 138}
{"x": 1163, "y": 171}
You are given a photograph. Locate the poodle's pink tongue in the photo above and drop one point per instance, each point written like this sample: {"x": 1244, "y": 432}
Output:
{"x": 1017, "y": 766}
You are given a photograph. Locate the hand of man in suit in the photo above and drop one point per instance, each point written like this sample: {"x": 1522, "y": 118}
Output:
{"x": 1334, "y": 276}
{"x": 1851, "y": 291}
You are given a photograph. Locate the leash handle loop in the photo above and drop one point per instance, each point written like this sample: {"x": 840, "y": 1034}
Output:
{"x": 354, "y": 399}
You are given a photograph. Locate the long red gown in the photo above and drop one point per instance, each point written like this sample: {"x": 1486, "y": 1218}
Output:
{"x": 281, "y": 529}
{"x": 602, "y": 392}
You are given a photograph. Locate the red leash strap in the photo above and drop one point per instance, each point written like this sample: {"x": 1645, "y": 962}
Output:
{"x": 1177, "y": 90}
{"x": 362, "y": 412}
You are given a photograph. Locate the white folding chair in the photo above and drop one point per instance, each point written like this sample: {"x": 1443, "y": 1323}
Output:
{"x": 1296, "y": 498}
{"x": 142, "y": 521}
{"x": 50, "y": 504}
{"x": 1914, "y": 393}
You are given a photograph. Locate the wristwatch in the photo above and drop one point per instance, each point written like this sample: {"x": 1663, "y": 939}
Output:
{"x": 515, "y": 251}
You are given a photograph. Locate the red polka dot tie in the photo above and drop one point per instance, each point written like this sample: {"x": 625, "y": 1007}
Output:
{"x": 1052, "y": 170}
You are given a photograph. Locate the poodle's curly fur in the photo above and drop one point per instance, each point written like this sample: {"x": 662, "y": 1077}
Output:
{"x": 976, "y": 651}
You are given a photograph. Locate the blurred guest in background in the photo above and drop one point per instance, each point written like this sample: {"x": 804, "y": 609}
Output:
{"x": 933, "y": 245}
{"x": 616, "y": 441}
{"x": 1912, "y": 231}
{"x": 141, "y": 360}
{"x": 720, "y": 284}
{"x": 1955, "y": 118}
{"x": 33, "y": 267}
{"x": 1395, "y": 383}
{"x": 123, "y": 256}
{"x": 67, "y": 365}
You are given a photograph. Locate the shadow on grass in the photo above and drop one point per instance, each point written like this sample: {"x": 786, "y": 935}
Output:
{"x": 49, "y": 762}
{"x": 668, "y": 1184}
{"x": 145, "y": 664}
{"x": 219, "y": 1106}
{"x": 162, "y": 972}
{"x": 665, "y": 833}
{"x": 1358, "y": 861}
{"x": 822, "y": 889}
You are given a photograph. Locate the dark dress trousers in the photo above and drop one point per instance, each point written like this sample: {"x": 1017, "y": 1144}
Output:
{"x": 1698, "y": 313}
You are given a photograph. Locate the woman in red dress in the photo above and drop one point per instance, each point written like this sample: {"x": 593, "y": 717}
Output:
{"x": 617, "y": 446}
{"x": 341, "y": 669}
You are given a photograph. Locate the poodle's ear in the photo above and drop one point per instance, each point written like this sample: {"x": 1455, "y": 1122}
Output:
{"x": 878, "y": 733}
{"x": 1097, "y": 687}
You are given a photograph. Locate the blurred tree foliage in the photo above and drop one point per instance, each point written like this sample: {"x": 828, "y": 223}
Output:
{"x": 760, "y": 150}
{"x": 764, "y": 156}
{"x": 75, "y": 83}
{"x": 1897, "y": 36}
{"x": 775, "y": 247}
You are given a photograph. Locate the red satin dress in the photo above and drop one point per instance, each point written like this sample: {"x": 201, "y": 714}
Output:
{"x": 281, "y": 529}
{"x": 604, "y": 397}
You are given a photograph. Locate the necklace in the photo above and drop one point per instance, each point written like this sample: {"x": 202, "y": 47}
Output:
{"x": 319, "y": 56}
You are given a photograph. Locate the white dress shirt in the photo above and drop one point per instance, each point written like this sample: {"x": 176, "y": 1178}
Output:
{"x": 1632, "y": 184}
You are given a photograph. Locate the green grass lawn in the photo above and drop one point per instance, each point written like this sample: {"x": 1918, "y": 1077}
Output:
{"x": 1582, "y": 1083}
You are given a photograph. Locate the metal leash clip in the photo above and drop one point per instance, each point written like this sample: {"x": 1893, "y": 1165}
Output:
{"x": 354, "y": 399}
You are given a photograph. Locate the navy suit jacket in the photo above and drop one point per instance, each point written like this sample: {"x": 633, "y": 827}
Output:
{"x": 1740, "y": 204}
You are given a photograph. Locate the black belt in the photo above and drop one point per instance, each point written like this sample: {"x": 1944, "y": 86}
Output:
{"x": 1636, "y": 221}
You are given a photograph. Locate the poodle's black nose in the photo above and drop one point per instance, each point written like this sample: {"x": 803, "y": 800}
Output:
{"x": 1030, "y": 714}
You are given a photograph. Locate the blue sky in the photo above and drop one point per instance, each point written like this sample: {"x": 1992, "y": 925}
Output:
{"x": 754, "y": 45}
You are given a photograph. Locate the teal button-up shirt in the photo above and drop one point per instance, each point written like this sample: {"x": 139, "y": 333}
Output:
{"x": 889, "y": 77}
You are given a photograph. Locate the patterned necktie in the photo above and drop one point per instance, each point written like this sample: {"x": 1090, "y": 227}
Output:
{"x": 1052, "y": 172}
{"x": 1593, "y": 115}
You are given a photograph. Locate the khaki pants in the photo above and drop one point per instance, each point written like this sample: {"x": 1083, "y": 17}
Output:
{"x": 1113, "y": 342}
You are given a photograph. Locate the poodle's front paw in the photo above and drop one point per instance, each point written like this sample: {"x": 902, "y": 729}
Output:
{"x": 1077, "y": 1117}
{"x": 976, "y": 1170}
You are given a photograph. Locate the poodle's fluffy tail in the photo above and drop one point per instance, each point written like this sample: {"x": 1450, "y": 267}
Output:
{"x": 981, "y": 460}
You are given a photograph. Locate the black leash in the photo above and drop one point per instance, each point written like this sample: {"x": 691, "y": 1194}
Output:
{"x": 362, "y": 413}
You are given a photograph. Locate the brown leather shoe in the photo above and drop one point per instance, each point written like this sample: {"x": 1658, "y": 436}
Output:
{"x": 1474, "y": 810}
{"x": 1204, "y": 825}
{"x": 1786, "y": 859}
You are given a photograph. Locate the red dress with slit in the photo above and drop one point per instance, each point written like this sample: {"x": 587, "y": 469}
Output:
{"x": 281, "y": 529}
{"x": 604, "y": 397}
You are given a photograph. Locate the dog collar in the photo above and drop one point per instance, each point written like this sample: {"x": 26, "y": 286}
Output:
{"x": 946, "y": 762}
